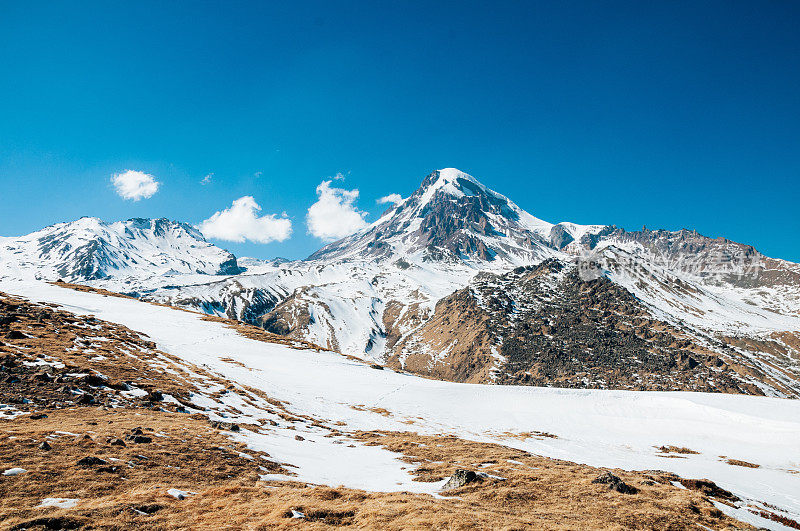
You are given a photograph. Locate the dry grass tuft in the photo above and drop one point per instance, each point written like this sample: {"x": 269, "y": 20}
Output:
{"x": 739, "y": 462}
{"x": 669, "y": 449}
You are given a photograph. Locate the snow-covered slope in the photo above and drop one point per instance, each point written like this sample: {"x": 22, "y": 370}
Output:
{"x": 602, "y": 428}
{"x": 375, "y": 293}
{"x": 90, "y": 249}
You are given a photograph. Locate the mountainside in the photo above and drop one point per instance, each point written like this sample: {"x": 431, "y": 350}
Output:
{"x": 89, "y": 249}
{"x": 458, "y": 282}
{"x": 544, "y": 325}
{"x": 118, "y": 413}
{"x": 452, "y": 217}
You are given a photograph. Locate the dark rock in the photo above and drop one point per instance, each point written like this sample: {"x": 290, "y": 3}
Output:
{"x": 93, "y": 380}
{"x": 709, "y": 488}
{"x": 461, "y": 478}
{"x": 117, "y": 442}
{"x": 45, "y": 446}
{"x": 15, "y": 334}
{"x": 146, "y": 508}
{"x": 299, "y": 438}
{"x": 108, "y": 469}
{"x": 92, "y": 461}
{"x": 37, "y": 416}
{"x": 224, "y": 425}
{"x": 155, "y": 396}
{"x": 615, "y": 483}
{"x": 376, "y": 366}
{"x": 86, "y": 400}
{"x": 6, "y": 319}
{"x": 559, "y": 237}
{"x": 119, "y": 386}
{"x": 42, "y": 377}
{"x": 139, "y": 439}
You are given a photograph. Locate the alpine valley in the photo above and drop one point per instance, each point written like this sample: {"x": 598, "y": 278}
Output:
{"x": 457, "y": 364}
{"x": 456, "y": 282}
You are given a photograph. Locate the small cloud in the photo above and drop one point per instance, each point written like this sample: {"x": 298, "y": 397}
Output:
{"x": 334, "y": 215}
{"x": 135, "y": 185}
{"x": 258, "y": 174}
{"x": 241, "y": 223}
{"x": 394, "y": 199}
{"x": 207, "y": 179}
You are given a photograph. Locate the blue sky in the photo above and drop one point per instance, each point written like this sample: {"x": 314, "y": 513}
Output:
{"x": 665, "y": 114}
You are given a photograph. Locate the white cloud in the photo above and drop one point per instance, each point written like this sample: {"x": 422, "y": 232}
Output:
{"x": 136, "y": 185}
{"x": 241, "y": 223}
{"x": 207, "y": 179}
{"x": 391, "y": 198}
{"x": 334, "y": 215}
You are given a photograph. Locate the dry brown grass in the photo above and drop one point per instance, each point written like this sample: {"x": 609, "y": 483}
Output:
{"x": 536, "y": 492}
{"x": 186, "y": 453}
{"x": 739, "y": 462}
{"x": 669, "y": 449}
{"x": 378, "y": 410}
{"x": 523, "y": 435}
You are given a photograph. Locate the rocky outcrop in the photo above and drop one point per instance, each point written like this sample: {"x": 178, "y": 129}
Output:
{"x": 461, "y": 478}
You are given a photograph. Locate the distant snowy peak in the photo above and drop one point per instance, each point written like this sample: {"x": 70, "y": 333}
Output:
{"x": 90, "y": 249}
{"x": 453, "y": 217}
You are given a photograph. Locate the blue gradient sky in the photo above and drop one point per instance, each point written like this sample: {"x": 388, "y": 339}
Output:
{"x": 670, "y": 114}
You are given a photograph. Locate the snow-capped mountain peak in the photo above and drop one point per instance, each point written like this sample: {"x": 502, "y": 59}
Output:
{"x": 91, "y": 249}
{"x": 449, "y": 181}
{"x": 454, "y": 217}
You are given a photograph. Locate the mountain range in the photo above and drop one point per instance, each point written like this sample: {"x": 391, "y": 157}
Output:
{"x": 457, "y": 282}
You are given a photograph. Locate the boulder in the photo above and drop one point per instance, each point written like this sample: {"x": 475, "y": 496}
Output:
{"x": 615, "y": 483}
{"x": 709, "y": 488}
{"x": 86, "y": 400}
{"x": 155, "y": 396}
{"x": 93, "y": 380}
{"x": 461, "y": 478}
{"x": 91, "y": 461}
{"x": 139, "y": 439}
{"x": 224, "y": 425}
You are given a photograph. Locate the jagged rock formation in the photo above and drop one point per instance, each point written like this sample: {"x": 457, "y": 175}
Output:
{"x": 544, "y": 325}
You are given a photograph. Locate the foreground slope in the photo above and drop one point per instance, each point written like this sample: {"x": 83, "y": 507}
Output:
{"x": 601, "y": 428}
{"x": 99, "y": 429}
